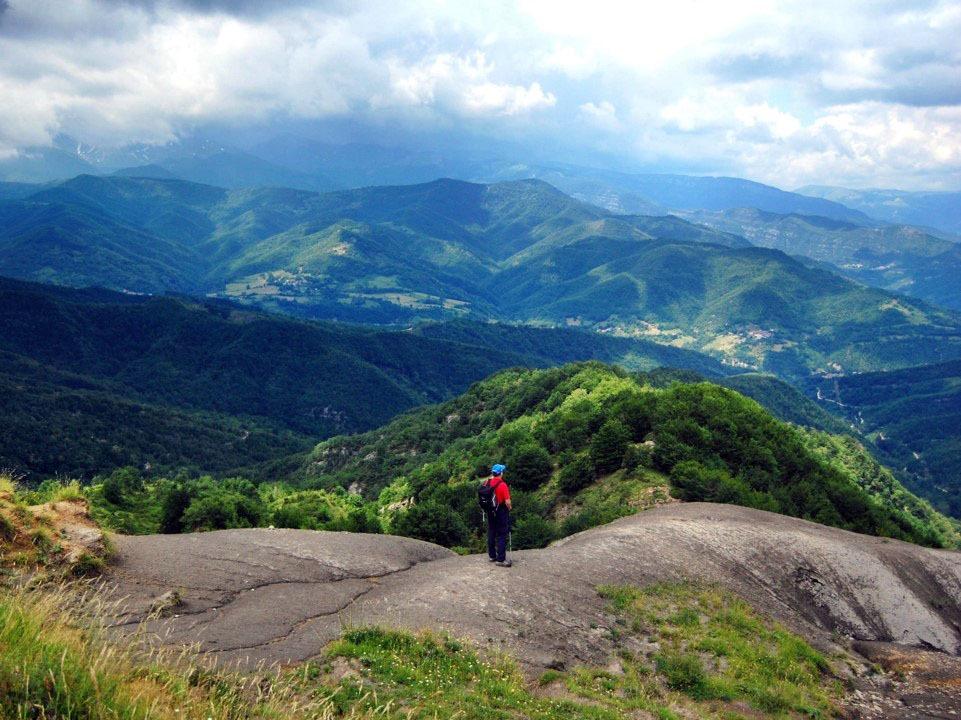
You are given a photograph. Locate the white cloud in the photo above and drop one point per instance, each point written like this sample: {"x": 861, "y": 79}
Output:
{"x": 602, "y": 115}
{"x": 790, "y": 91}
{"x": 507, "y": 99}
{"x": 462, "y": 85}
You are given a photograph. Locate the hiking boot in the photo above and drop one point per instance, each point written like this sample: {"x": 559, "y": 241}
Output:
{"x": 491, "y": 559}
{"x": 504, "y": 563}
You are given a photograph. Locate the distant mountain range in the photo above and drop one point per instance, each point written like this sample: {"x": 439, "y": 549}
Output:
{"x": 661, "y": 193}
{"x": 941, "y": 210}
{"x": 197, "y": 161}
{"x": 901, "y": 258}
{"x": 288, "y": 160}
{"x": 515, "y": 251}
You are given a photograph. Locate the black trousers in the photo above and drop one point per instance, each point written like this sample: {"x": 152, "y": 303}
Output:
{"x": 498, "y": 526}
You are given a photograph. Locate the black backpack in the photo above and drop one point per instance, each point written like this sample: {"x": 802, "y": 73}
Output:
{"x": 485, "y": 496}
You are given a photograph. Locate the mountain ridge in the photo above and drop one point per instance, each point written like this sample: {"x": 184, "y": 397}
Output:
{"x": 86, "y": 357}
{"x": 935, "y": 209}
{"x": 521, "y": 252}
{"x": 901, "y": 259}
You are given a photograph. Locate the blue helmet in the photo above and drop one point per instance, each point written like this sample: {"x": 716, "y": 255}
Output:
{"x": 498, "y": 469}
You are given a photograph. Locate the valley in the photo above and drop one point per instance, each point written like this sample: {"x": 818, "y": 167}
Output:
{"x": 515, "y": 252}
{"x": 480, "y": 361}
{"x": 912, "y": 416}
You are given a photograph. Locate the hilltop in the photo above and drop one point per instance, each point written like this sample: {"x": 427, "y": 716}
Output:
{"x": 587, "y": 443}
{"x": 692, "y": 609}
{"x": 638, "y": 597}
{"x": 863, "y": 589}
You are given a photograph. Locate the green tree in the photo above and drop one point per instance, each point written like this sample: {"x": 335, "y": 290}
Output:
{"x": 174, "y": 502}
{"x": 576, "y": 473}
{"x": 119, "y": 483}
{"x": 609, "y": 445}
{"x": 234, "y": 503}
{"x": 533, "y": 531}
{"x": 529, "y": 466}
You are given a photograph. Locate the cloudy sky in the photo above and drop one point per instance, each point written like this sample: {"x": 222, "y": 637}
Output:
{"x": 860, "y": 93}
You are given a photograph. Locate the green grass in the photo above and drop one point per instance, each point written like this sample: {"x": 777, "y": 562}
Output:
{"x": 428, "y": 676}
{"x": 715, "y": 654}
{"x": 715, "y": 658}
{"x": 54, "y": 665}
{"x": 715, "y": 647}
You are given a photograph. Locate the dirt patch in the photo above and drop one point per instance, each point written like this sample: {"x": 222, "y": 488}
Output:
{"x": 71, "y": 521}
{"x": 58, "y": 535}
{"x": 916, "y": 683}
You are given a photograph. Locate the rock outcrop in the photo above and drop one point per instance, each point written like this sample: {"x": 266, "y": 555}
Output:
{"x": 281, "y": 595}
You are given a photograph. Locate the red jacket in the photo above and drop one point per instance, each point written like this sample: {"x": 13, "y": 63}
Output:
{"x": 502, "y": 493}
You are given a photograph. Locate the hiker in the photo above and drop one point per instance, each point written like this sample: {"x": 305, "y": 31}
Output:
{"x": 495, "y": 500}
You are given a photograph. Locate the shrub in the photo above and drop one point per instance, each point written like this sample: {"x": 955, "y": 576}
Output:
{"x": 363, "y": 520}
{"x": 223, "y": 510}
{"x": 433, "y": 522}
{"x": 637, "y": 456}
{"x": 576, "y": 474}
{"x": 609, "y": 444}
{"x": 174, "y": 502}
{"x": 113, "y": 490}
{"x": 533, "y": 531}
{"x": 529, "y": 466}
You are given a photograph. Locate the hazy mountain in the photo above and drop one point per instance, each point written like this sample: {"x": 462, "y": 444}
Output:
{"x": 16, "y": 191}
{"x": 900, "y": 258}
{"x": 151, "y": 170}
{"x": 941, "y": 210}
{"x": 660, "y": 193}
{"x": 357, "y": 164}
{"x": 235, "y": 169}
{"x": 364, "y": 164}
{"x": 42, "y": 164}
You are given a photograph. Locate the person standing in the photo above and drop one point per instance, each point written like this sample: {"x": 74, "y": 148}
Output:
{"x": 495, "y": 500}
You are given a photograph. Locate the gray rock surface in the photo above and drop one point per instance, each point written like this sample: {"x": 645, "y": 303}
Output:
{"x": 281, "y": 595}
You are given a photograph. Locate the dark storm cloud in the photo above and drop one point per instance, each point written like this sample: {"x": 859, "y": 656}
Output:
{"x": 754, "y": 66}
{"x": 917, "y": 77}
{"x": 925, "y": 88}
{"x": 244, "y": 8}
{"x": 862, "y": 91}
